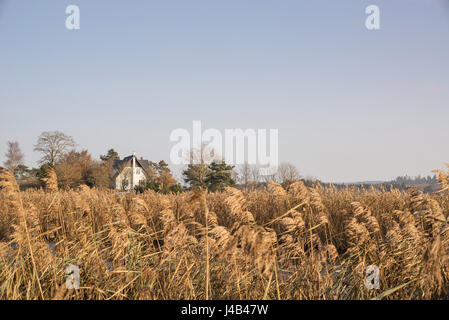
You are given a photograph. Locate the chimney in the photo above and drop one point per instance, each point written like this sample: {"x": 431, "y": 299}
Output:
{"x": 133, "y": 169}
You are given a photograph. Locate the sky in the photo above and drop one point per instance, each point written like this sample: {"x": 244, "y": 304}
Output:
{"x": 350, "y": 104}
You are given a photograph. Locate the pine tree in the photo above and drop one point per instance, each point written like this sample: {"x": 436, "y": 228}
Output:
{"x": 111, "y": 155}
{"x": 195, "y": 175}
{"x": 219, "y": 176}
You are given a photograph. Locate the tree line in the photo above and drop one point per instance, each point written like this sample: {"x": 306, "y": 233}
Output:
{"x": 74, "y": 168}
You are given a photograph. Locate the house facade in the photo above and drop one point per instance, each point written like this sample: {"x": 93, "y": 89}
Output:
{"x": 129, "y": 173}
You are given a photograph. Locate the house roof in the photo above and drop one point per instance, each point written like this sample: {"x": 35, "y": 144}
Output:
{"x": 143, "y": 163}
{"x": 119, "y": 164}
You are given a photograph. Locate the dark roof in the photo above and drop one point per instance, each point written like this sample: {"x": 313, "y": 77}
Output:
{"x": 118, "y": 163}
{"x": 144, "y": 163}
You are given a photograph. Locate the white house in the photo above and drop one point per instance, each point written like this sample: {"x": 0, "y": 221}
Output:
{"x": 129, "y": 173}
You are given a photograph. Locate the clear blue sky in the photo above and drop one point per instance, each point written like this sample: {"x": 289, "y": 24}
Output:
{"x": 350, "y": 104}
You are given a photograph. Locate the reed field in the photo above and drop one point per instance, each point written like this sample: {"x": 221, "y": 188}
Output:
{"x": 273, "y": 243}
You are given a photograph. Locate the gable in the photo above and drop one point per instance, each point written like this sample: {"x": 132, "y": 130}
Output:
{"x": 119, "y": 165}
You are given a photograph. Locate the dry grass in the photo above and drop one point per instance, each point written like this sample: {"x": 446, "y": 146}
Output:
{"x": 300, "y": 243}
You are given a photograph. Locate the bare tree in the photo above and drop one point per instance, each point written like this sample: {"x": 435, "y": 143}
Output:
{"x": 254, "y": 174}
{"x": 53, "y": 145}
{"x": 271, "y": 177}
{"x": 204, "y": 154}
{"x": 235, "y": 174}
{"x": 249, "y": 175}
{"x": 244, "y": 174}
{"x": 288, "y": 173}
{"x": 14, "y": 156}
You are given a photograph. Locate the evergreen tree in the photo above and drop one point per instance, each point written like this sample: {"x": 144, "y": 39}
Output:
{"x": 111, "y": 155}
{"x": 219, "y": 176}
{"x": 195, "y": 175}
{"x": 160, "y": 179}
